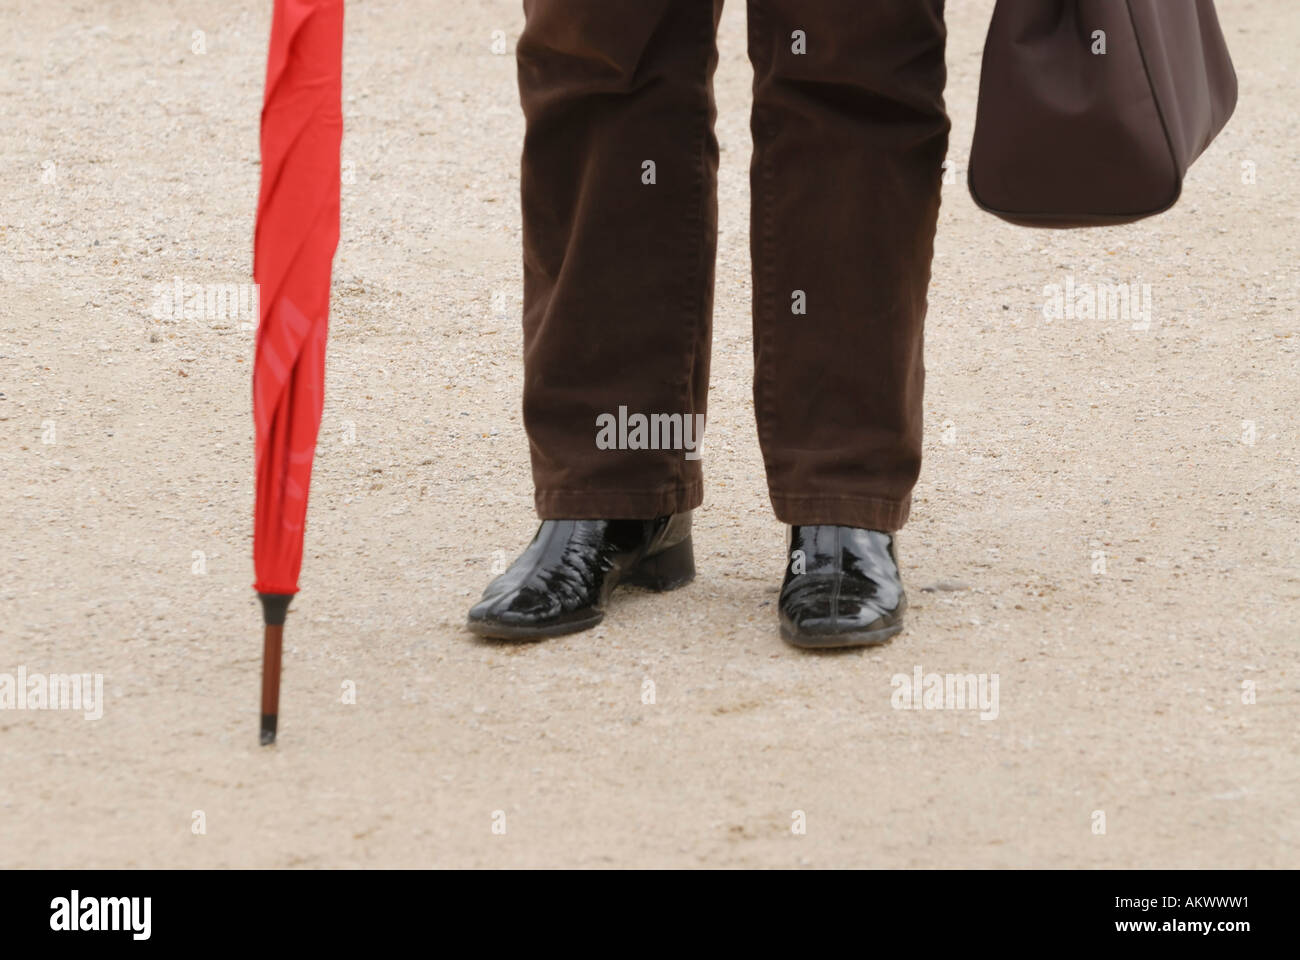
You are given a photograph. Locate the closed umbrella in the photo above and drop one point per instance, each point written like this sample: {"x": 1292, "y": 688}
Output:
{"x": 293, "y": 249}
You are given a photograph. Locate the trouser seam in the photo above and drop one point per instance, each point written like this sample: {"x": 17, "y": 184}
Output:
{"x": 765, "y": 282}
{"x": 695, "y": 298}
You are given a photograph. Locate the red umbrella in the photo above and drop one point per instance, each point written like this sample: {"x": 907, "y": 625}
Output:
{"x": 297, "y": 231}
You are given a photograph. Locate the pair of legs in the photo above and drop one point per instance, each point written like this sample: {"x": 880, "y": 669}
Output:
{"x": 620, "y": 226}
{"x": 619, "y": 184}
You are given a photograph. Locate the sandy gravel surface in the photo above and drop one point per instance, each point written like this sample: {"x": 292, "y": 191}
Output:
{"x": 128, "y": 160}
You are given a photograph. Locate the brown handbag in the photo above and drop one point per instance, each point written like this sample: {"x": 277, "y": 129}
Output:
{"x": 1068, "y": 136}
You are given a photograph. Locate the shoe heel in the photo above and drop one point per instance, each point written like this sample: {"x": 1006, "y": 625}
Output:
{"x": 673, "y": 568}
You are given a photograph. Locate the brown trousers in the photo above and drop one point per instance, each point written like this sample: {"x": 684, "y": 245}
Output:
{"x": 619, "y": 183}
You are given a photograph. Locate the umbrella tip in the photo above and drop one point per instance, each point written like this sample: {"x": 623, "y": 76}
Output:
{"x": 268, "y": 728}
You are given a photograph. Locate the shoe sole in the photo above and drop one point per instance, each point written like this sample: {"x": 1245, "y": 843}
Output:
{"x": 668, "y": 570}
{"x": 834, "y": 641}
{"x": 493, "y": 630}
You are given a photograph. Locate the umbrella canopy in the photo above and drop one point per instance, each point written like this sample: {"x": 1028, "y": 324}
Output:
{"x": 293, "y": 249}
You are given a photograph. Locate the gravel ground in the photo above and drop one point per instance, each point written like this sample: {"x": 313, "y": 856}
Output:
{"x": 1106, "y": 519}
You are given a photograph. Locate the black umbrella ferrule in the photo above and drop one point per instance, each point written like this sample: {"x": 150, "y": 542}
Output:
{"x": 267, "y": 736}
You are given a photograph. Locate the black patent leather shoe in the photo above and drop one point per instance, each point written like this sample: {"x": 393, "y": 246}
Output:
{"x": 842, "y": 588}
{"x": 563, "y": 581}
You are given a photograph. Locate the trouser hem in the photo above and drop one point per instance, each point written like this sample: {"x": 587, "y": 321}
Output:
{"x": 868, "y": 513}
{"x": 617, "y": 504}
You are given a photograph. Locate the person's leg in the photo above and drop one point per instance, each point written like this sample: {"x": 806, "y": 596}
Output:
{"x": 849, "y": 138}
{"x": 620, "y": 228}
